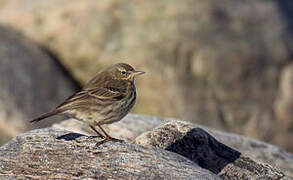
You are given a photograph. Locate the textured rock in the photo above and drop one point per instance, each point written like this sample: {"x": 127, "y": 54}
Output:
{"x": 31, "y": 83}
{"x": 133, "y": 125}
{"x": 256, "y": 150}
{"x": 187, "y": 48}
{"x": 50, "y": 153}
{"x": 197, "y": 145}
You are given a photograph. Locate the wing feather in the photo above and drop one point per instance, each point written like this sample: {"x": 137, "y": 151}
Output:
{"x": 103, "y": 94}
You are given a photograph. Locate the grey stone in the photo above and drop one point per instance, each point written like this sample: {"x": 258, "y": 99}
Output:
{"x": 50, "y": 153}
{"x": 256, "y": 150}
{"x": 199, "y": 146}
{"x": 133, "y": 125}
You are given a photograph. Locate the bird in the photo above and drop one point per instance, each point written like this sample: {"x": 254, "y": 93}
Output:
{"x": 104, "y": 99}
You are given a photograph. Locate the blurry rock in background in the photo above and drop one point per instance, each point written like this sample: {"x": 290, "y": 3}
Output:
{"x": 215, "y": 63}
{"x": 31, "y": 83}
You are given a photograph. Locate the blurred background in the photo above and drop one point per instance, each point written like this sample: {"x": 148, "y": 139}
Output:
{"x": 226, "y": 64}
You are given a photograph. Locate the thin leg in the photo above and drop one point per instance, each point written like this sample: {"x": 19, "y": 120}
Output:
{"x": 107, "y": 138}
{"x": 107, "y": 135}
{"x": 99, "y": 134}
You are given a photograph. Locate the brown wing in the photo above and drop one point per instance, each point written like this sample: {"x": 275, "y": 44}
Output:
{"x": 105, "y": 93}
{"x": 86, "y": 96}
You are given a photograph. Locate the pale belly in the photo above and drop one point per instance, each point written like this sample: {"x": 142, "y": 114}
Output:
{"x": 106, "y": 115}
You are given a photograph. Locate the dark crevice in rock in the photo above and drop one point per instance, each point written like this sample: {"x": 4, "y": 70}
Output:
{"x": 200, "y": 147}
{"x": 203, "y": 149}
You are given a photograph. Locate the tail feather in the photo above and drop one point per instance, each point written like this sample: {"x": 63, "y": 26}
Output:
{"x": 43, "y": 116}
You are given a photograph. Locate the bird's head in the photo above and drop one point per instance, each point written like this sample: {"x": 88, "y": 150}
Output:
{"x": 123, "y": 71}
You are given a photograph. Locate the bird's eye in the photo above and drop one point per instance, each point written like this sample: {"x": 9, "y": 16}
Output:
{"x": 123, "y": 72}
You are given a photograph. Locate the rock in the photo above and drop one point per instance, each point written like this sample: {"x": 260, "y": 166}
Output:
{"x": 31, "y": 82}
{"x": 256, "y": 150}
{"x": 50, "y": 153}
{"x": 204, "y": 39}
{"x": 199, "y": 146}
{"x": 190, "y": 153}
{"x": 134, "y": 125}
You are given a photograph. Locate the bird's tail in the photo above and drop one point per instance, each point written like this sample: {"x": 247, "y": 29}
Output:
{"x": 48, "y": 114}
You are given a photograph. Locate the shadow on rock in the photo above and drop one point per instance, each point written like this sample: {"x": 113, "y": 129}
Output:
{"x": 200, "y": 147}
{"x": 70, "y": 136}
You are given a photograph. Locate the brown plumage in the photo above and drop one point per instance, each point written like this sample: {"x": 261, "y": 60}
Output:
{"x": 105, "y": 99}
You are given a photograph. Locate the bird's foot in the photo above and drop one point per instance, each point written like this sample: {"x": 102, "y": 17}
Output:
{"x": 115, "y": 140}
{"x": 106, "y": 139}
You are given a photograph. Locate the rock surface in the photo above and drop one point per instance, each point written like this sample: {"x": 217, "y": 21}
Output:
{"x": 196, "y": 144}
{"x": 187, "y": 48}
{"x": 133, "y": 125}
{"x": 256, "y": 150}
{"x": 175, "y": 151}
{"x": 31, "y": 83}
{"x": 50, "y": 153}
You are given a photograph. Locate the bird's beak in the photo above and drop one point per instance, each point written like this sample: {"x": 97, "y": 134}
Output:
{"x": 137, "y": 73}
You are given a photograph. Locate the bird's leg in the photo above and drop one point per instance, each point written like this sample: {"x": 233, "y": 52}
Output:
{"x": 99, "y": 134}
{"x": 107, "y": 135}
{"x": 107, "y": 138}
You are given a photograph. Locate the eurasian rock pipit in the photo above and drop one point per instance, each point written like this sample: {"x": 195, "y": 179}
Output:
{"x": 105, "y": 99}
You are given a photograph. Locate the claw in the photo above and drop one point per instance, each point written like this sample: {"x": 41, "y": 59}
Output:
{"x": 108, "y": 139}
{"x": 115, "y": 140}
